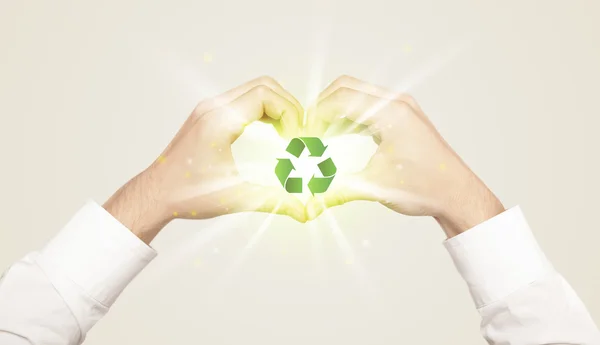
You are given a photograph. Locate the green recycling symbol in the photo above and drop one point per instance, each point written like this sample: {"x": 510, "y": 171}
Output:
{"x": 285, "y": 167}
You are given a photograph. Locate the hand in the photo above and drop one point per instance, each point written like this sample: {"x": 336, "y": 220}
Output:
{"x": 413, "y": 172}
{"x": 196, "y": 177}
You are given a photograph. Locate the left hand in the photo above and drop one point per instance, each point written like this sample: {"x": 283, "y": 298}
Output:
{"x": 413, "y": 172}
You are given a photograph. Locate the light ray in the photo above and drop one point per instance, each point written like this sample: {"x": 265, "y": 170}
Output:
{"x": 434, "y": 64}
{"x": 350, "y": 257}
{"x": 317, "y": 248}
{"x": 186, "y": 251}
{"x": 187, "y": 73}
{"x": 241, "y": 257}
{"x": 191, "y": 247}
{"x": 429, "y": 68}
{"x": 221, "y": 184}
{"x": 259, "y": 173}
{"x": 321, "y": 43}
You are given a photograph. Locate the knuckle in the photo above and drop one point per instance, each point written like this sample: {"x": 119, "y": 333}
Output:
{"x": 261, "y": 90}
{"x": 343, "y": 80}
{"x": 200, "y": 109}
{"x": 406, "y": 98}
{"x": 207, "y": 117}
{"x": 343, "y": 92}
{"x": 265, "y": 80}
{"x": 400, "y": 106}
{"x": 201, "y": 105}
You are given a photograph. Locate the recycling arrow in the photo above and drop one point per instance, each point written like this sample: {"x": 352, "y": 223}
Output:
{"x": 296, "y": 147}
{"x": 316, "y": 149}
{"x": 283, "y": 169}
{"x": 314, "y": 145}
{"x": 321, "y": 184}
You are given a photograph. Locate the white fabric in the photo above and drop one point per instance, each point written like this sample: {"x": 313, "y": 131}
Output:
{"x": 519, "y": 295}
{"x": 56, "y": 295}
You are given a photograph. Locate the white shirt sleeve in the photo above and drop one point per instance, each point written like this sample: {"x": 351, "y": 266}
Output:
{"x": 56, "y": 295}
{"x": 520, "y": 297}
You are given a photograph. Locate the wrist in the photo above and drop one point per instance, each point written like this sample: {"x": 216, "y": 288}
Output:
{"x": 137, "y": 206}
{"x": 469, "y": 207}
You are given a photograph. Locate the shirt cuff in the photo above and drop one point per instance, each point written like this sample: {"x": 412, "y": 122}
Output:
{"x": 97, "y": 253}
{"x": 498, "y": 257}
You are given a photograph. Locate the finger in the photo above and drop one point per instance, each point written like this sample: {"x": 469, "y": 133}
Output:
{"x": 360, "y": 85}
{"x": 344, "y": 189}
{"x": 253, "y": 105}
{"x": 344, "y": 82}
{"x": 238, "y": 91}
{"x": 229, "y": 96}
{"x": 375, "y": 90}
{"x": 363, "y": 86}
{"x": 359, "y": 107}
{"x": 345, "y": 127}
{"x": 256, "y": 198}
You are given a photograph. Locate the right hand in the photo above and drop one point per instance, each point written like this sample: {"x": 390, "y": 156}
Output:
{"x": 196, "y": 177}
{"x": 413, "y": 172}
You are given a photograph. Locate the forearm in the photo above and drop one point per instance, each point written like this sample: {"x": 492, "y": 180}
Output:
{"x": 468, "y": 203}
{"x": 138, "y": 206}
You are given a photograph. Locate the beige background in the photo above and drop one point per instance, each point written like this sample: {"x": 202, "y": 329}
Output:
{"x": 90, "y": 93}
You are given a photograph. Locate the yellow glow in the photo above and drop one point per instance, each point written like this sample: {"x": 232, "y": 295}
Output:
{"x": 257, "y": 150}
{"x": 241, "y": 257}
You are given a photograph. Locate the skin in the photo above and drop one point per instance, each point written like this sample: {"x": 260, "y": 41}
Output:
{"x": 414, "y": 171}
{"x": 196, "y": 177}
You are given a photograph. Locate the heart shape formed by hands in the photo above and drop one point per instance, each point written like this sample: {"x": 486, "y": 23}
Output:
{"x": 413, "y": 171}
{"x": 301, "y": 166}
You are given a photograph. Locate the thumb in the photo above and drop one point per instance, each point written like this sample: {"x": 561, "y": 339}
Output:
{"x": 344, "y": 189}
